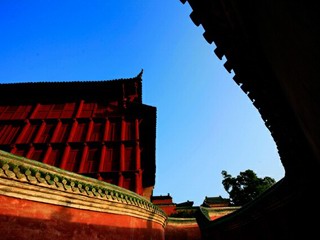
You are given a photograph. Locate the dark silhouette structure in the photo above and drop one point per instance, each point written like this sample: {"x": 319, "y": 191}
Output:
{"x": 273, "y": 49}
{"x": 99, "y": 129}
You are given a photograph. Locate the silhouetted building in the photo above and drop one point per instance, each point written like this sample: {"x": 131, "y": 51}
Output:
{"x": 215, "y": 202}
{"x": 272, "y": 48}
{"x": 216, "y": 207}
{"x": 185, "y": 204}
{"x": 99, "y": 129}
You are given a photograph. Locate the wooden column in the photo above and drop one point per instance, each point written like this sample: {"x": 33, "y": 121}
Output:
{"x": 73, "y": 130}
{"x": 79, "y": 108}
{"x": 23, "y": 132}
{"x": 102, "y": 157}
{"x": 106, "y": 130}
{"x": 138, "y": 182}
{"x": 65, "y": 156}
{"x": 90, "y": 127}
{"x": 43, "y": 125}
{"x": 31, "y": 149}
{"x": 122, "y": 155}
{"x": 122, "y": 151}
{"x": 35, "y": 110}
{"x": 48, "y": 152}
{"x": 138, "y": 174}
{"x": 138, "y": 156}
{"x": 56, "y": 131}
{"x": 137, "y": 150}
{"x": 123, "y": 129}
{"x": 120, "y": 180}
{"x": 83, "y": 158}
{"x": 137, "y": 135}
{"x": 122, "y": 147}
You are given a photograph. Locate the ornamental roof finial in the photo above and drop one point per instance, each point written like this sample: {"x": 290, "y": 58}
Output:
{"x": 140, "y": 74}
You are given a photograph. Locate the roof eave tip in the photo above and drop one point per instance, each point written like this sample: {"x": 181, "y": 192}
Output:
{"x": 140, "y": 74}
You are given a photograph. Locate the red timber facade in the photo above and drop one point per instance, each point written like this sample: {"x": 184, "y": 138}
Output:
{"x": 100, "y": 129}
{"x": 165, "y": 203}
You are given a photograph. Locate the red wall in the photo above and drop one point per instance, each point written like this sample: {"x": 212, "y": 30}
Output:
{"x": 168, "y": 209}
{"x": 182, "y": 232}
{"x": 28, "y": 220}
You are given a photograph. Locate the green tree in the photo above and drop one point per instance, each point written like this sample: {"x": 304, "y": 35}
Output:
{"x": 245, "y": 187}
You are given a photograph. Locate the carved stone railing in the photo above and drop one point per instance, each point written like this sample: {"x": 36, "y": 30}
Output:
{"x": 31, "y": 180}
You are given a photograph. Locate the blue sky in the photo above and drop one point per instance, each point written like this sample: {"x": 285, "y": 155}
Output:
{"x": 205, "y": 123}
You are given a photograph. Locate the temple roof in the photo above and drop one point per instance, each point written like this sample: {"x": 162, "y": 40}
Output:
{"x": 114, "y": 88}
{"x": 161, "y": 197}
{"x": 216, "y": 200}
{"x": 185, "y": 204}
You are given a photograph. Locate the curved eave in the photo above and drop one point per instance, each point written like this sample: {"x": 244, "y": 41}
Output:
{"x": 232, "y": 27}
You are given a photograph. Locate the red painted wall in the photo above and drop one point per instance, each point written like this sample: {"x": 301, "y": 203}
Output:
{"x": 28, "y": 220}
{"x": 182, "y": 232}
{"x": 168, "y": 209}
{"x": 159, "y": 201}
{"x": 165, "y": 203}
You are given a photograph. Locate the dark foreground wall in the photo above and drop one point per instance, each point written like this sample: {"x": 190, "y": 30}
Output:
{"x": 272, "y": 47}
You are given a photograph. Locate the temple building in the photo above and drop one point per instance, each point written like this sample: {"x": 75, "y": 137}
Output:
{"x": 215, "y": 207}
{"x": 272, "y": 47}
{"x": 219, "y": 201}
{"x": 165, "y": 203}
{"x": 100, "y": 129}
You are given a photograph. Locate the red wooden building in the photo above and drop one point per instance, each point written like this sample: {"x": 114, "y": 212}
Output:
{"x": 165, "y": 203}
{"x": 99, "y": 129}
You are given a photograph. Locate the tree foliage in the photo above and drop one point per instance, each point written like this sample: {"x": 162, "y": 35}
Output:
{"x": 245, "y": 187}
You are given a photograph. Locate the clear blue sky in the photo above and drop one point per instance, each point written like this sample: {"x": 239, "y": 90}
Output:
{"x": 205, "y": 123}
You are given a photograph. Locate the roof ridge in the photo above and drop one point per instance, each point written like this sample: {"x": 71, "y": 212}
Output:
{"x": 139, "y": 76}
